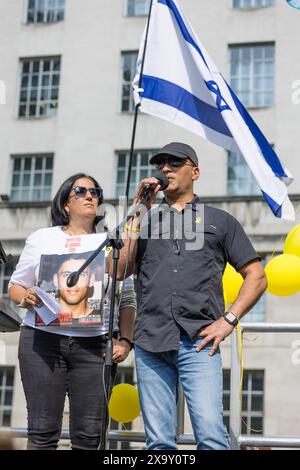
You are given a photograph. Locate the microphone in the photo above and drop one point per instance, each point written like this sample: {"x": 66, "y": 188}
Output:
{"x": 147, "y": 189}
{"x": 73, "y": 279}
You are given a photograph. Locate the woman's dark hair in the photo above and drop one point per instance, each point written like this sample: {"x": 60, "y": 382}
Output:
{"x": 59, "y": 216}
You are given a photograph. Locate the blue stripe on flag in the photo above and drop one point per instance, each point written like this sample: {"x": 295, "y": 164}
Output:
{"x": 266, "y": 149}
{"x": 276, "y": 208}
{"x": 182, "y": 26}
{"x": 168, "y": 93}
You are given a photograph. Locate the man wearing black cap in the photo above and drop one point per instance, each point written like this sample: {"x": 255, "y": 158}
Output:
{"x": 179, "y": 252}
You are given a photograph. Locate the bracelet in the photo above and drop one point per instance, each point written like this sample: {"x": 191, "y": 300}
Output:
{"x": 123, "y": 338}
{"x": 136, "y": 230}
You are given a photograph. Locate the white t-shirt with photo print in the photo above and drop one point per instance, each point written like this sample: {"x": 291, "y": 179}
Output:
{"x": 54, "y": 241}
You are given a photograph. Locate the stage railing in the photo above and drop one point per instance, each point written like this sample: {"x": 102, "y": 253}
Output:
{"x": 237, "y": 440}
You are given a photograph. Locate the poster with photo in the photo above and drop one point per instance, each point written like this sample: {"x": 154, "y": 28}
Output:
{"x": 79, "y": 305}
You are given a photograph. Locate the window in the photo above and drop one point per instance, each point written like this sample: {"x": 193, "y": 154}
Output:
{"x": 252, "y": 3}
{"x": 6, "y": 271}
{"x": 32, "y": 178}
{"x": 45, "y": 11}
{"x": 140, "y": 169}
{"x": 39, "y": 87}
{"x": 252, "y": 400}
{"x": 129, "y": 60}
{"x": 257, "y": 313}
{"x": 124, "y": 376}
{"x": 252, "y": 74}
{"x": 6, "y": 394}
{"x": 138, "y": 7}
{"x": 240, "y": 180}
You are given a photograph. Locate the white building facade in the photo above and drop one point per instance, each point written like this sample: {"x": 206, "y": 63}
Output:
{"x": 65, "y": 107}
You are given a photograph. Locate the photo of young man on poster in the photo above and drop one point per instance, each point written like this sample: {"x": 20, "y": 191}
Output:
{"x": 80, "y": 304}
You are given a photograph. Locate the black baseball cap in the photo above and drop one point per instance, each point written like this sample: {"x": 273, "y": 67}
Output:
{"x": 176, "y": 149}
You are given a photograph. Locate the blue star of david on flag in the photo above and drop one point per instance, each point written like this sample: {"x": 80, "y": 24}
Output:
{"x": 214, "y": 87}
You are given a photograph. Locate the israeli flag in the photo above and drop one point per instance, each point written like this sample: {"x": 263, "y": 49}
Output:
{"x": 181, "y": 83}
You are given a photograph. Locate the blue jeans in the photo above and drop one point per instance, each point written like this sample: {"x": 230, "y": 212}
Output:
{"x": 201, "y": 377}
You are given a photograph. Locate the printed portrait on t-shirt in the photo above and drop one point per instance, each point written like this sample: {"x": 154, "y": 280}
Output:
{"x": 80, "y": 304}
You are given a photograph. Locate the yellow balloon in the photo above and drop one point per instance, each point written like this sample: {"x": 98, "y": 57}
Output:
{"x": 226, "y": 303}
{"x": 292, "y": 242}
{"x": 283, "y": 274}
{"x": 232, "y": 282}
{"x": 124, "y": 405}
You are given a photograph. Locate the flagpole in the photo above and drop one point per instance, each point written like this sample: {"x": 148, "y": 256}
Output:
{"x": 137, "y": 109}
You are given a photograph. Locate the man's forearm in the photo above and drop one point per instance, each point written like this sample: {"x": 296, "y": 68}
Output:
{"x": 126, "y": 322}
{"x": 126, "y": 264}
{"x": 252, "y": 289}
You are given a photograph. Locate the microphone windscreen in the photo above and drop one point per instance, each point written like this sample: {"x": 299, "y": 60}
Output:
{"x": 164, "y": 182}
{"x": 73, "y": 279}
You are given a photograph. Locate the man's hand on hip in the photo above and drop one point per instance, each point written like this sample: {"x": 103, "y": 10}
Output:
{"x": 216, "y": 332}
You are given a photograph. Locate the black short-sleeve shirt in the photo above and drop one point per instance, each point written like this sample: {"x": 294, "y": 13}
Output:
{"x": 180, "y": 263}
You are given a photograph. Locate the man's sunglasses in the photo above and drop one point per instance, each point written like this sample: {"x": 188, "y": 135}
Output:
{"x": 173, "y": 162}
{"x": 80, "y": 191}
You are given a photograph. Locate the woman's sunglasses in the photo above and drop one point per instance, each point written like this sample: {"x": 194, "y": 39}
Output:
{"x": 80, "y": 191}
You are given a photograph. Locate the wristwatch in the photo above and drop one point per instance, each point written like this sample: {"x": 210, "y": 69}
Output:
{"x": 123, "y": 338}
{"x": 231, "y": 318}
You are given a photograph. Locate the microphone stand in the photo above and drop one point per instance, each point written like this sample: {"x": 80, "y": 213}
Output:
{"x": 117, "y": 244}
{"x": 113, "y": 239}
